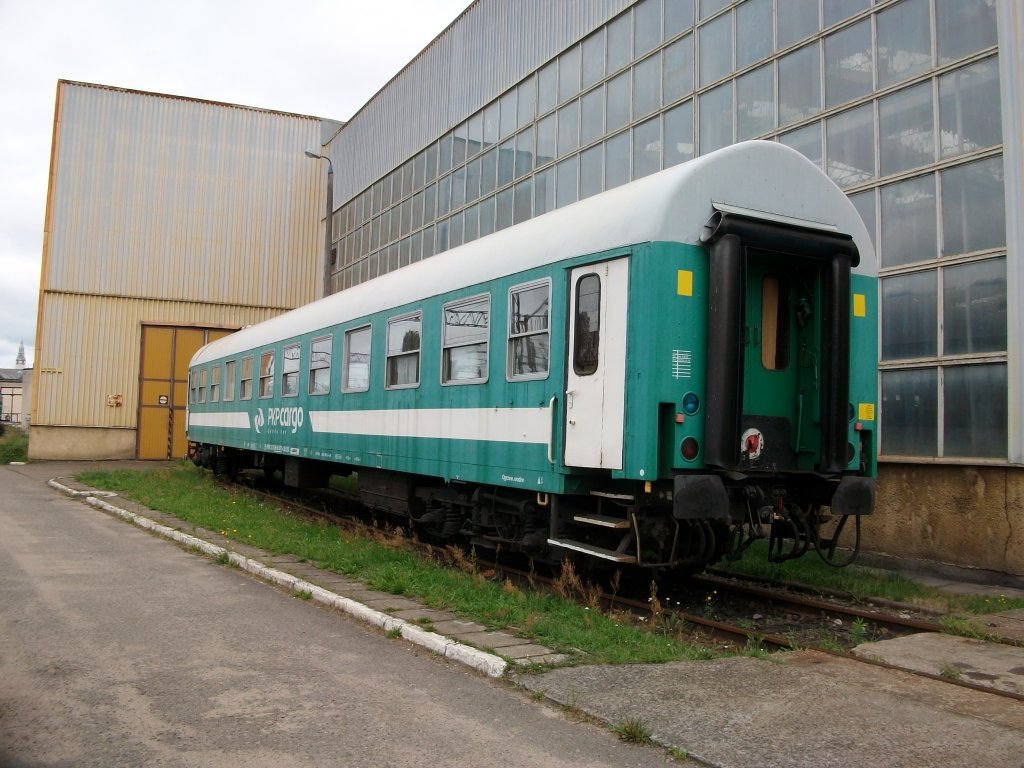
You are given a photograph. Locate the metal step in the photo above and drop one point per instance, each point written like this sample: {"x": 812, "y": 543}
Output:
{"x": 614, "y": 496}
{"x": 603, "y": 521}
{"x": 588, "y": 549}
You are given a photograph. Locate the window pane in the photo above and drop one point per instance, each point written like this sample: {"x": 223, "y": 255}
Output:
{"x": 488, "y": 171}
{"x": 620, "y": 42}
{"x": 508, "y": 114}
{"x": 472, "y": 181}
{"x": 593, "y": 59}
{"x": 454, "y": 231}
{"x": 528, "y": 331}
{"x": 586, "y": 344}
{"x": 506, "y": 162}
{"x": 526, "y": 106}
{"x": 975, "y": 411}
{"x": 796, "y": 20}
{"x": 490, "y": 125}
{"x": 969, "y": 114}
{"x": 755, "y": 103}
{"x": 708, "y": 7}
{"x": 715, "y": 45}
{"x": 716, "y": 119}
{"x": 908, "y": 222}
{"x": 837, "y": 10}
{"x": 964, "y": 27}
{"x": 850, "y": 137}
{"x": 547, "y": 87}
{"x": 678, "y": 133}
{"x": 524, "y": 153}
{"x": 647, "y": 86}
{"x": 905, "y": 129}
{"x": 568, "y": 128}
{"x": 503, "y": 209}
{"x": 403, "y": 351}
{"x": 973, "y": 211}
{"x": 569, "y": 74}
{"x": 592, "y": 116}
{"x": 806, "y": 141}
{"x": 678, "y": 17}
{"x": 320, "y": 366}
{"x": 909, "y": 413}
{"x": 465, "y": 340}
{"x": 974, "y": 307}
{"x": 566, "y": 183}
{"x": 909, "y": 316}
{"x": 904, "y": 41}
{"x": 799, "y": 84}
{"x": 546, "y": 140}
{"x": 290, "y": 371}
{"x": 591, "y": 171}
{"x": 647, "y": 148}
{"x": 487, "y": 216}
{"x": 864, "y": 202}
{"x": 616, "y": 160}
{"x": 678, "y": 68}
{"x": 848, "y": 64}
{"x": 470, "y": 223}
{"x": 458, "y": 187}
{"x": 646, "y": 26}
{"x": 619, "y": 101}
{"x": 522, "y": 202}
{"x": 544, "y": 192}
{"x": 266, "y": 374}
{"x": 753, "y": 32}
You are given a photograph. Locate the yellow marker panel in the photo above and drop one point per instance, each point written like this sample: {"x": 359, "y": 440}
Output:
{"x": 860, "y": 305}
{"x": 866, "y": 411}
{"x": 684, "y": 282}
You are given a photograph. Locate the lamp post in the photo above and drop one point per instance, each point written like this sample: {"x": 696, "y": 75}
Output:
{"x": 327, "y": 219}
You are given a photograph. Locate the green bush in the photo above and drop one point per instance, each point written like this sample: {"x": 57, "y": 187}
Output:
{"x": 13, "y": 445}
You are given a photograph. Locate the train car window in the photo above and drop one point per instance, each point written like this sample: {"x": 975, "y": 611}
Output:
{"x": 465, "y": 335}
{"x": 529, "y": 341}
{"x": 229, "y": 380}
{"x": 588, "y": 325}
{"x": 320, "y": 366}
{"x": 774, "y": 323}
{"x": 245, "y": 387}
{"x": 215, "y": 384}
{"x": 403, "y": 352}
{"x": 267, "y": 374}
{"x": 202, "y": 386}
{"x": 192, "y": 383}
{"x": 357, "y": 360}
{"x": 290, "y": 371}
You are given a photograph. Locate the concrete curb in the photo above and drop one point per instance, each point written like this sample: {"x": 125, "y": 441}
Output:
{"x": 481, "y": 661}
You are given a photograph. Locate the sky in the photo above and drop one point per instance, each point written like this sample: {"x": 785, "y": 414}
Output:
{"x": 313, "y": 57}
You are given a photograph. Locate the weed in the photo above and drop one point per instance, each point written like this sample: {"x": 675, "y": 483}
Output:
{"x": 223, "y": 558}
{"x": 395, "y": 632}
{"x": 858, "y": 631}
{"x": 538, "y": 695}
{"x": 303, "y": 594}
{"x": 633, "y": 731}
{"x": 830, "y": 644}
{"x": 678, "y": 753}
{"x": 951, "y": 672}
{"x": 963, "y": 627}
{"x": 426, "y": 622}
{"x": 13, "y": 445}
{"x": 754, "y": 648}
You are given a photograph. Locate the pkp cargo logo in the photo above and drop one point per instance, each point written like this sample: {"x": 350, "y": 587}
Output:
{"x": 280, "y": 417}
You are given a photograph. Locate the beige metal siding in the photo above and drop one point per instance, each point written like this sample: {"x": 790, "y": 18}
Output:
{"x": 484, "y": 52}
{"x": 157, "y": 196}
{"x": 88, "y": 348}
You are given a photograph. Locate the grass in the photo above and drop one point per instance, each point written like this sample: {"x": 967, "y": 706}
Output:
{"x": 13, "y": 445}
{"x": 864, "y": 583}
{"x": 633, "y": 731}
{"x": 386, "y": 563}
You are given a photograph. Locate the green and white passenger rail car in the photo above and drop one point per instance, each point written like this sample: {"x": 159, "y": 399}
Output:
{"x": 654, "y": 376}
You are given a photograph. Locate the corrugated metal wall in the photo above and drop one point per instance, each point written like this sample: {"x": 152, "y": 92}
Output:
{"x": 90, "y": 349}
{"x": 446, "y": 83}
{"x": 165, "y": 210}
{"x": 165, "y": 197}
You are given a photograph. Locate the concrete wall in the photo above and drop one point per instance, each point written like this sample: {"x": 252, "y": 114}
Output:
{"x": 968, "y": 516}
{"x": 80, "y": 443}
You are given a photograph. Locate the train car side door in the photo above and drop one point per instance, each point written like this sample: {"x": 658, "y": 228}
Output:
{"x": 596, "y": 368}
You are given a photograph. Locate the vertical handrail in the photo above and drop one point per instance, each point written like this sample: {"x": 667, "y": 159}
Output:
{"x": 551, "y": 432}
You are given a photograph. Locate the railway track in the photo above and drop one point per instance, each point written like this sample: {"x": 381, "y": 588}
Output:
{"x": 341, "y": 509}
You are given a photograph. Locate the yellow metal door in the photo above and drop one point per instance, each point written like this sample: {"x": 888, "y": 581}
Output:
{"x": 163, "y": 388}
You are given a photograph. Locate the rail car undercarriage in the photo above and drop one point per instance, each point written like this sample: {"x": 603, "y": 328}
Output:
{"x": 679, "y": 526}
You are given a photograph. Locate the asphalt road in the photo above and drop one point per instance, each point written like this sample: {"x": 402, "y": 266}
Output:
{"x": 121, "y": 649}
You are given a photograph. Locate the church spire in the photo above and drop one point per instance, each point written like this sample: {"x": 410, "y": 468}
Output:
{"x": 20, "y": 360}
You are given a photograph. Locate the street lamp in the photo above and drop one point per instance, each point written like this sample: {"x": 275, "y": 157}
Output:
{"x": 327, "y": 220}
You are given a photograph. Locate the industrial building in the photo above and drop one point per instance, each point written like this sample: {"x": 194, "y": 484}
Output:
{"x": 914, "y": 107}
